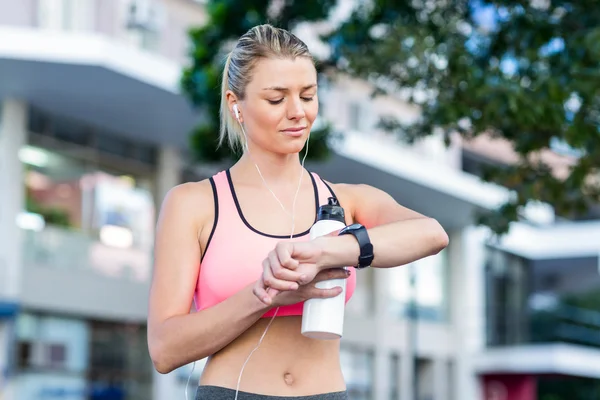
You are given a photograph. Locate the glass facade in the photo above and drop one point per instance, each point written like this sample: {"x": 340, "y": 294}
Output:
{"x": 82, "y": 214}
{"x": 420, "y": 289}
{"x": 51, "y": 357}
{"x": 120, "y": 366}
{"x": 89, "y": 204}
{"x": 357, "y": 367}
{"x": 135, "y": 25}
{"x": 59, "y": 357}
{"x": 567, "y": 387}
{"x": 362, "y": 302}
{"x": 394, "y": 376}
{"x": 542, "y": 301}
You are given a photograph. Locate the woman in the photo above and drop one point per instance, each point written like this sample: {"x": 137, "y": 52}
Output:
{"x": 238, "y": 244}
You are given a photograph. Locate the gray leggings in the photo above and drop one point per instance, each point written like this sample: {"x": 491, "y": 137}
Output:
{"x": 221, "y": 393}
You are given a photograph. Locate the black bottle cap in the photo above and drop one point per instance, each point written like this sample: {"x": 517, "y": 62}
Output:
{"x": 332, "y": 210}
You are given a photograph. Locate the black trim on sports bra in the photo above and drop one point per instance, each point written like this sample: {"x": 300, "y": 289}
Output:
{"x": 333, "y": 195}
{"x": 214, "y": 227}
{"x": 329, "y": 187}
{"x": 241, "y": 214}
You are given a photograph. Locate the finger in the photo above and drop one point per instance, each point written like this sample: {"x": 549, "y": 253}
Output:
{"x": 284, "y": 254}
{"x": 260, "y": 291}
{"x": 271, "y": 281}
{"x": 325, "y": 293}
{"x": 281, "y": 272}
{"x": 272, "y": 292}
{"x": 334, "y": 273}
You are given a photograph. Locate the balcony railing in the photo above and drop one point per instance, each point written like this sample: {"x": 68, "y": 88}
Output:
{"x": 562, "y": 323}
{"x": 567, "y": 324}
{"x": 152, "y": 25}
{"x": 55, "y": 247}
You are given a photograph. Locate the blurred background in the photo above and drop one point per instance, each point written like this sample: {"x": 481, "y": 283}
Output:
{"x": 481, "y": 114}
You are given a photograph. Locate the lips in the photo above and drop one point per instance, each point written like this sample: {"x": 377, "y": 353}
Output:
{"x": 295, "y": 130}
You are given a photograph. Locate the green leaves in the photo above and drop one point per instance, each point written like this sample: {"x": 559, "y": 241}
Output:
{"x": 525, "y": 71}
{"x": 528, "y": 72}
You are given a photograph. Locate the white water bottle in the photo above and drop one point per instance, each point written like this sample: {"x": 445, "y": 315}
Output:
{"x": 324, "y": 318}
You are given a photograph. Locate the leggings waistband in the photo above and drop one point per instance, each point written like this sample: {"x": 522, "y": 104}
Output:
{"x": 221, "y": 393}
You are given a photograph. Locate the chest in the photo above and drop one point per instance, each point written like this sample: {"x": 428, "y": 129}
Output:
{"x": 272, "y": 216}
{"x": 225, "y": 271}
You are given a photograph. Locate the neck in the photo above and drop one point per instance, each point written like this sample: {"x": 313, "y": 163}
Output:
{"x": 277, "y": 170}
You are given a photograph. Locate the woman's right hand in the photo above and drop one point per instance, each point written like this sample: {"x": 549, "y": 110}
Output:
{"x": 308, "y": 291}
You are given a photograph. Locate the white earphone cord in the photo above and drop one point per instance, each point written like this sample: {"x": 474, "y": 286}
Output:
{"x": 293, "y": 215}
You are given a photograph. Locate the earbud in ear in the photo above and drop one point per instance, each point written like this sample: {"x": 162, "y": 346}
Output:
{"x": 236, "y": 111}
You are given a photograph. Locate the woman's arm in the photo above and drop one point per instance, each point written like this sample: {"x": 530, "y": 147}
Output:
{"x": 176, "y": 337}
{"x": 398, "y": 234}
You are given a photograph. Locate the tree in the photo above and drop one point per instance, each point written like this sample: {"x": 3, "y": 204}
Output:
{"x": 228, "y": 20}
{"x": 527, "y": 71}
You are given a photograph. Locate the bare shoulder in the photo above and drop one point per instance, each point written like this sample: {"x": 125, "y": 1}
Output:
{"x": 177, "y": 251}
{"x": 193, "y": 201}
{"x": 190, "y": 191}
{"x": 371, "y": 206}
{"x": 351, "y": 193}
{"x": 352, "y": 190}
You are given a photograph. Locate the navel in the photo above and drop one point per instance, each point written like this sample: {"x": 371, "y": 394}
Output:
{"x": 288, "y": 379}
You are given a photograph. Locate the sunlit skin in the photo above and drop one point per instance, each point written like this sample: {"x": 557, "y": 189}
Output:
{"x": 280, "y": 97}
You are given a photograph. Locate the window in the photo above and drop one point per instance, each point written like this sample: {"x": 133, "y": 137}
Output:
{"x": 97, "y": 360}
{"x": 56, "y": 355}
{"x": 363, "y": 300}
{"x": 83, "y": 213}
{"x": 53, "y": 344}
{"x": 88, "y": 138}
{"x": 71, "y": 193}
{"x": 361, "y": 116}
{"x": 542, "y": 301}
{"x": 24, "y": 355}
{"x": 394, "y": 377}
{"x": 119, "y": 361}
{"x": 427, "y": 288}
{"x": 506, "y": 281}
{"x": 357, "y": 367}
{"x": 65, "y": 15}
{"x": 354, "y": 113}
{"x": 40, "y": 355}
{"x": 143, "y": 22}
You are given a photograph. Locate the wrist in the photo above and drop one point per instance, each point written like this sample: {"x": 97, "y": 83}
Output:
{"x": 337, "y": 251}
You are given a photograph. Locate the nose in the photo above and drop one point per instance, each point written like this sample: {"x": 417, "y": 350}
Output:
{"x": 295, "y": 109}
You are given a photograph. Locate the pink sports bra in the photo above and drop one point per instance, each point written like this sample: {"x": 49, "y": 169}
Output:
{"x": 235, "y": 250}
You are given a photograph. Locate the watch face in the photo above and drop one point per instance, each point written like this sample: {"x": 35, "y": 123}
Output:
{"x": 365, "y": 258}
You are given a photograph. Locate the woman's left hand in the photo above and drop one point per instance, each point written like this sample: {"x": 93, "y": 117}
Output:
{"x": 288, "y": 266}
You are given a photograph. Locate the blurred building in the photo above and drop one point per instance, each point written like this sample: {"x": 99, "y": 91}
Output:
{"x": 93, "y": 132}
{"x": 511, "y": 319}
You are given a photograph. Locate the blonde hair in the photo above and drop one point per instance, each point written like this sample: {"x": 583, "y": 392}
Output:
{"x": 262, "y": 41}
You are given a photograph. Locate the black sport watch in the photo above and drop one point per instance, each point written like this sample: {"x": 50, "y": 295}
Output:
{"x": 365, "y": 259}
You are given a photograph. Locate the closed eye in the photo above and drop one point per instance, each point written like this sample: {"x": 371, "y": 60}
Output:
{"x": 274, "y": 102}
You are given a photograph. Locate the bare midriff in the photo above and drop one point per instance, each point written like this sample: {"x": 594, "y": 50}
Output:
{"x": 285, "y": 364}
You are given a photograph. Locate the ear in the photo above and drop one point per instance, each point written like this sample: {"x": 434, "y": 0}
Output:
{"x": 231, "y": 100}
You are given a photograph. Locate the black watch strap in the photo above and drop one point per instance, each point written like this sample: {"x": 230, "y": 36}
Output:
{"x": 365, "y": 259}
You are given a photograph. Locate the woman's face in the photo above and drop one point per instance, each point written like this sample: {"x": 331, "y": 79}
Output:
{"x": 280, "y": 104}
